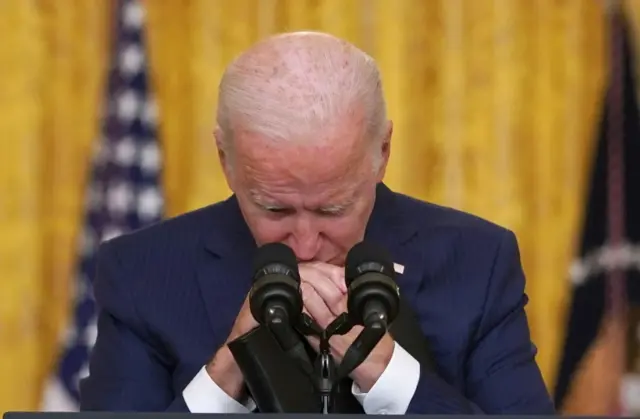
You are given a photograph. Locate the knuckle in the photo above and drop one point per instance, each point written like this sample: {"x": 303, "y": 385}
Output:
{"x": 335, "y": 300}
{"x": 304, "y": 288}
{"x": 307, "y": 293}
{"x": 306, "y": 275}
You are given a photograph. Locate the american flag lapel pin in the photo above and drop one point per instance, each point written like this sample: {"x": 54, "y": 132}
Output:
{"x": 398, "y": 268}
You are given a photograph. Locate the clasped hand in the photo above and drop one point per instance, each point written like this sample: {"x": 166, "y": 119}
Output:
{"x": 324, "y": 294}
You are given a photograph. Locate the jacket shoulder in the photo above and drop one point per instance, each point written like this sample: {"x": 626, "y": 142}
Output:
{"x": 171, "y": 233}
{"x": 430, "y": 216}
{"x": 143, "y": 264}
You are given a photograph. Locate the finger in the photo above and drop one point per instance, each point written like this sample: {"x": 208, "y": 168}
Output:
{"x": 330, "y": 294}
{"x": 334, "y": 273}
{"x": 342, "y": 306}
{"x": 243, "y": 322}
{"x": 317, "y": 275}
{"x": 315, "y": 305}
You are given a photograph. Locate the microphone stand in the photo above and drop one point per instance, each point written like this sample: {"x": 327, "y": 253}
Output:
{"x": 375, "y": 327}
{"x": 326, "y": 369}
{"x": 277, "y": 321}
{"x": 325, "y": 375}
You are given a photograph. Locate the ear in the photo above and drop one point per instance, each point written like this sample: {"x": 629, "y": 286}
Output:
{"x": 385, "y": 150}
{"x": 223, "y": 157}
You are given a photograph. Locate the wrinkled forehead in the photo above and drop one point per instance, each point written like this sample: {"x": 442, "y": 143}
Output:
{"x": 325, "y": 197}
{"x": 316, "y": 156}
{"x": 308, "y": 176}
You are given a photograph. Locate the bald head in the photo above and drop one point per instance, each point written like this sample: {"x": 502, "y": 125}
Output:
{"x": 292, "y": 86}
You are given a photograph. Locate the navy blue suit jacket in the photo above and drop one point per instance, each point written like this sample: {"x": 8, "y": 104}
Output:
{"x": 168, "y": 296}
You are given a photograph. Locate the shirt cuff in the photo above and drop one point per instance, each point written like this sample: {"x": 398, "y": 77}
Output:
{"x": 202, "y": 395}
{"x": 393, "y": 391}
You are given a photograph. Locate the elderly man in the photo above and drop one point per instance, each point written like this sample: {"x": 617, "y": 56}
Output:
{"x": 304, "y": 141}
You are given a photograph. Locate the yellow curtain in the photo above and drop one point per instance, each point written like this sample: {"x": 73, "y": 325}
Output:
{"x": 52, "y": 62}
{"x": 494, "y": 102}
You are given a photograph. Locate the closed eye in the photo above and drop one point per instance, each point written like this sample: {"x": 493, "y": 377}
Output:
{"x": 279, "y": 211}
{"x": 331, "y": 212}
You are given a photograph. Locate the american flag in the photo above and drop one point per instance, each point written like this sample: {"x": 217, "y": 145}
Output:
{"x": 123, "y": 194}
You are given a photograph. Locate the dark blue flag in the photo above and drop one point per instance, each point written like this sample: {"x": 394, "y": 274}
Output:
{"x": 123, "y": 194}
{"x": 599, "y": 371}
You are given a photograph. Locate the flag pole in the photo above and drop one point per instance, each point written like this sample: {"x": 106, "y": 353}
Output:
{"x": 616, "y": 305}
{"x": 615, "y": 156}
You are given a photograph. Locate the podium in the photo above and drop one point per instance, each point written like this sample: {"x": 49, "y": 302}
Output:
{"x": 172, "y": 415}
{"x": 163, "y": 415}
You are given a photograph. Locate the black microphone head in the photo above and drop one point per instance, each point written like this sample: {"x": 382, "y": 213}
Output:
{"x": 278, "y": 256}
{"x": 367, "y": 257}
{"x": 370, "y": 279}
{"x": 276, "y": 284}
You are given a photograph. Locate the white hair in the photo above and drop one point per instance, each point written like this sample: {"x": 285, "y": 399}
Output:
{"x": 292, "y": 86}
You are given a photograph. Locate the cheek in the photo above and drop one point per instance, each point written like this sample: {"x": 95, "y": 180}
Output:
{"x": 266, "y": 230}
{"x": 344, "y": 231}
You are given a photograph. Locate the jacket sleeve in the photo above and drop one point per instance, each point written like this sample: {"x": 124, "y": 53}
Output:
{"x": 127, "y": 370}
{"x": 502, "y": 376}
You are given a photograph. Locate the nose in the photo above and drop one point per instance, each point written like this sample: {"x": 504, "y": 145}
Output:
{"x": 306, "y": 239}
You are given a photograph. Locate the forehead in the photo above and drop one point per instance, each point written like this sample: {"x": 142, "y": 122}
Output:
{"x": 312, "y": 142}
{"x": 317, "y": 198}
{"x": 316, "y": 172}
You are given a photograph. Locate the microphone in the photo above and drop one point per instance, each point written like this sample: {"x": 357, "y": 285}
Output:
{"x": 373, "y": 300}
{"x": 373, "y": 295}
{"x": 275, "y": 300}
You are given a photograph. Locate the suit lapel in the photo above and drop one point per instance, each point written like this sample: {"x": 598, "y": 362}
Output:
{"x": 224, "y": 284}
{"x": 224, "y": 266}
{"x": 394, "y": 228}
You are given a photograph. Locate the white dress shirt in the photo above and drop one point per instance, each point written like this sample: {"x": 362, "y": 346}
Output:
{"x": 390, "y": 395}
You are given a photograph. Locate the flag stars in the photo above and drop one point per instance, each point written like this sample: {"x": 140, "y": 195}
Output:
{"x": 150, "y": 158}
{"x": 128, "y": 105}
{"x": 125, "y": 152}
{"x": 119, "y": 198}
{"x": 131, "y": 60}
{"x": 82, "y": 374}
{"x": 133, "y": 15}
{"x": 150, "y": 204}
{"x": 91, "y": 333}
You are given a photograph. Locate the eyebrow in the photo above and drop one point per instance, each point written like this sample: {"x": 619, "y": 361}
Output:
{"x": 267, "y": 204}
{"x": 262, "y": 201}
{"x": 336, "y": 208}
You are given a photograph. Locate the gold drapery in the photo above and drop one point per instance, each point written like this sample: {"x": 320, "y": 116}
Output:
{"x": 495, "y": 104}
{"x": 52, "y": 62}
